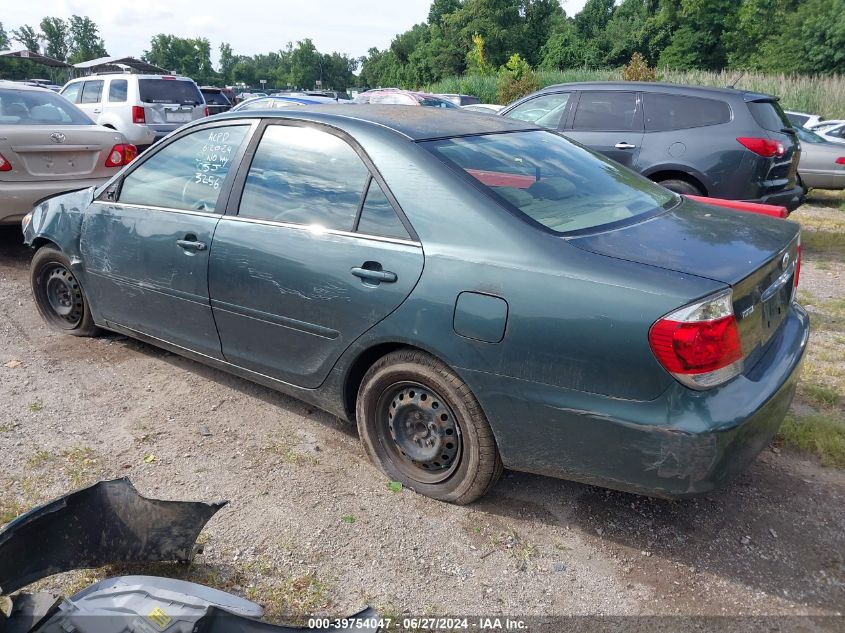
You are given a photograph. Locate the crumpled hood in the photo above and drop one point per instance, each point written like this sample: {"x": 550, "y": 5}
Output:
{"x": 697, "y": 239}
{"x": 106, "y": 523}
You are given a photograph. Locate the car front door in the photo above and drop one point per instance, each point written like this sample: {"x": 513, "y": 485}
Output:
{"x": 610, "y": 122}
{"x": 309, "y": 256}
{"x": 145, "y": 240}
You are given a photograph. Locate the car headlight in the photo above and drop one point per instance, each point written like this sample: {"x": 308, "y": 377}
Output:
{"x": 25, "y": 222}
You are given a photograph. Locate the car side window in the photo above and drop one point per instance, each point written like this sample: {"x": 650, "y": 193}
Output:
{"x": 187, "y": 173}
{"x": 118, "y": 89}
{"x": 71, "y": 93}
{"x": 304, "y": 175}
{"x": 665, "y": 112}
{"x": 91, "y": 92}
{"x": 611, "y": 111}
{"x": 378, "y": 216}
{"x": 545, "y": 110}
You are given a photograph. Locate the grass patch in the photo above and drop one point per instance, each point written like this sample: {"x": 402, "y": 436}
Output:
{"x": 80, "y": 466}
{"x": 285, "y": 447}
{"x": 10, "y": 509}
{"x": 38, "y": 458}
{"x": 820, "y": 395}
{"x": 37, "y": 406}
{"x": 823, "y": 241}
{"x": 822, "y": 434}
{"x": 292, "y": 600}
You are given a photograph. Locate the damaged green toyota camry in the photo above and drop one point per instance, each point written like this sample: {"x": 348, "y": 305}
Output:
{"x": 473, "y": 291}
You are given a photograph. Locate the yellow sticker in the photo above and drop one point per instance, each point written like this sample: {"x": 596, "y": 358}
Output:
{"x": 159, "y": 618}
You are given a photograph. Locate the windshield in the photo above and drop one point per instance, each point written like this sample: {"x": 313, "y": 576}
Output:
{"x": 433, "y": 102}
{"x": 169, "y": 91}
{"x": 554, "y": 182}
{"x": 34, "y": 107}
{"x": 807, "y": 136}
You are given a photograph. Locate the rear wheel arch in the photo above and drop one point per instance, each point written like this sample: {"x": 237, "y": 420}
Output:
{"x": 677, "y": 174}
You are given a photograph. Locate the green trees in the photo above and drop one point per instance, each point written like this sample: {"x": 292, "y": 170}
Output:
{"x": 790, "y": 36}
{"x": 187, "y": 56}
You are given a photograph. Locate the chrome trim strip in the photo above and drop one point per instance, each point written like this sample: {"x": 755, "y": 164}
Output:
{"x": 111, "y": 203}
{"x": 772, "y": 290}
{"x": 288, "y": 225}
{"x": 323, "y": 231}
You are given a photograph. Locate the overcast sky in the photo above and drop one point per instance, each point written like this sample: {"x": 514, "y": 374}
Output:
{"x": 250, "y": 26}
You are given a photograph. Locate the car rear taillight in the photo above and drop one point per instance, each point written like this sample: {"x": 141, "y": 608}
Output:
{"x": 206, "y": 110}
{"x": 138, "y": 115}
{"x": 699, "y": 344}
{"x": 4, "y": 164}
{"x": 840, "y": 160}
{"x": 763, "y": 146}
{"x": 121, "y": 154}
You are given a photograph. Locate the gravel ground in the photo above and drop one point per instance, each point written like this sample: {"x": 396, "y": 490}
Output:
{"x": 313, "y": 528}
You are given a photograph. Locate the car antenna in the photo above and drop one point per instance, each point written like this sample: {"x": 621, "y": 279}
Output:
{"x": 741, "y": 75}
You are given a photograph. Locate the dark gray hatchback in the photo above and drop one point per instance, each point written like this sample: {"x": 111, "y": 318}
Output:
{"x": 717, "y": 142}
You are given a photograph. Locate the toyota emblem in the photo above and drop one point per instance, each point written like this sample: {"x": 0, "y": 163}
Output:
{"x": 57, "y": 137}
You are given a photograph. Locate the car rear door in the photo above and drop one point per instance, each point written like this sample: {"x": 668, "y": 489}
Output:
{"x": 145, "y": 240}
{"x": 310, "y": 255}
{"x": 610, "y": 122}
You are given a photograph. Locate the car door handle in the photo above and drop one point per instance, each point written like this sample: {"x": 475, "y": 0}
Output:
{"x": 624, "y": 145}
{"x": 97, "y": 110}
{"x": 191, "y": 245}
{"x": 382, "y": 276}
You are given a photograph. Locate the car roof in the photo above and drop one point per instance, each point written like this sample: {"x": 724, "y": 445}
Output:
{"x": 16, "y": 85}
{"x": 127, "y": 75}
{"x": 658, "y": 86}
{"x": 413, "y": 122}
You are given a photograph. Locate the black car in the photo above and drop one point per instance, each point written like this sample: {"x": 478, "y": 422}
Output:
{"x": 215, "y": 99}
{"x": 718, "y": 142}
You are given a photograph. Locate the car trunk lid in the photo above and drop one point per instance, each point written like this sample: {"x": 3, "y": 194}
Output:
{"x": 57, "y": 152}
{"x": 755, "y": 255}
{"x": 170, "y": 101}
{"x": 783, "y": 170}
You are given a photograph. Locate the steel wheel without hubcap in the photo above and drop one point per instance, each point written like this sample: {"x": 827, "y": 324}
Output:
{"x": 63, "y": 295}
{"x": 420, "y": 431}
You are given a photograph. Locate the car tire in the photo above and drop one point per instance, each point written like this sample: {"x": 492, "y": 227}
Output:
{"x": 681, "y": 186}
{"x": 58, "y": 294}
{"x": 421, "y": 424}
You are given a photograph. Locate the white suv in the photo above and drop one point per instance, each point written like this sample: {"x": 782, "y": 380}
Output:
{"x": 144, "y": 108}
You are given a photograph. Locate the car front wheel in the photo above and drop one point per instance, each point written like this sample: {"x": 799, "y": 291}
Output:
{"x": 58, "y": 294}
{"x": 421, "y": 424}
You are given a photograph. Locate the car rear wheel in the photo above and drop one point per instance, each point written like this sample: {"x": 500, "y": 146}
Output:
{"x": 422, "y": 426}
{"x": 58, "y": 294}
{"x": 681, "y": 186}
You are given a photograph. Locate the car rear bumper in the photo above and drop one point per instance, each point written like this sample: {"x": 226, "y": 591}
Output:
{"x": 789, "y": 198}
{"x": 682, "y": 444}
{"x": 18, "y": 198}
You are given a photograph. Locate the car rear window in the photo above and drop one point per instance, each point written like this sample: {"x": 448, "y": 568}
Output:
{"x": 769, "y": 115}
{"x": 34, "y": 107}
{"x": 798, "y": 119}
{"x": 664, "y": 112}
{"x": 215, "y": 98}
{"x": 557, "y": 184}
{"x": 169, "y": 91}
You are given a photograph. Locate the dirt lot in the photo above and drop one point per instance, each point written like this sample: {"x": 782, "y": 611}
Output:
{"x": 313, "y": 527}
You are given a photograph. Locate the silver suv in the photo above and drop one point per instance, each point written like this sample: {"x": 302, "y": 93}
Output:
{"x": 144, "y": 108}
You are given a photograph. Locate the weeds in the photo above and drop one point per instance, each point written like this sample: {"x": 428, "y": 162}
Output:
{"x": 822, "y": 434}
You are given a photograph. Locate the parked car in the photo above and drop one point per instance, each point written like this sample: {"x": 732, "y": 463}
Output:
{"x": 311, "y": 97}
{"x": 216, "y": 100}
{"x": 144, "y": 108}
{"x": 825, "y": 123}
{"x": 230, "y": 95}
{"x": 275, "y": 101}
{"x": 803, "y": 119}
{"x": 512, "y": 300}
{"x": 49, "y": 146}
{"x": 716, "y": 142}
{"x": 395, "y": 96}
{"x": 822, "y": 163}
{"x": 483, "y": 108}
{"x": 460, "y": 100}
{"x": 831, "y": 131}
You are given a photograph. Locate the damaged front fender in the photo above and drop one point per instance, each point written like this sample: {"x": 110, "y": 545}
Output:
{"x": 106, "y": 523}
